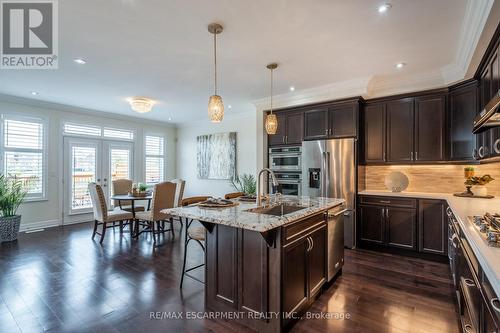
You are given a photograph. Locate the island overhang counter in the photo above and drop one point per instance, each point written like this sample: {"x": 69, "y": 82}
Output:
{"x": 264, "y": 271}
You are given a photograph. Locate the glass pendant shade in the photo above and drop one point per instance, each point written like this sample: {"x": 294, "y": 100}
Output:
{"x": 215, "y": 109}
{"x": 271, "y": 124}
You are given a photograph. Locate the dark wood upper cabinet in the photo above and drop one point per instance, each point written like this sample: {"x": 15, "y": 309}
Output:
{"x": 316, "y": 124}
{"x": 374, "y": 133}
{"x": 432, "y": 227}
{"x": 463, "y": 109}
{"x": 430, "y": 137}
{"x": 344, "y": 120}
{"x": 290, "y": 129}
{"x": 400, "y": 136}
{"x": 294, "y": 128}
{"x": 401, "y": 227}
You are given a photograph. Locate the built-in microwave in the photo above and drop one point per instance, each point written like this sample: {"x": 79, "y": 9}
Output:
{"x": 285, "y": 158}
{"x": 290, "y": 183}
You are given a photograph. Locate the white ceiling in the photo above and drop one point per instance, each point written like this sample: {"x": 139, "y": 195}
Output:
{"x": 161, "y": 49}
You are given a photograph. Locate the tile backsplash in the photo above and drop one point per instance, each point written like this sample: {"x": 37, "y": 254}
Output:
{"x": 428, "y": 178}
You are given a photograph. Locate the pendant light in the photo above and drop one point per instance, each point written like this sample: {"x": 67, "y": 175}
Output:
{"x": 215, "y": 104}
{"x": 271, "y": 120}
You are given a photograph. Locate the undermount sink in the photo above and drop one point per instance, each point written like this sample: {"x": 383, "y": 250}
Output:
{"x": 278, "y": 210}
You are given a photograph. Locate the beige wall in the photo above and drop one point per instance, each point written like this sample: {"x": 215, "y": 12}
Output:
{"x": 428, "y": 178}
{"x": 49, "y": 212}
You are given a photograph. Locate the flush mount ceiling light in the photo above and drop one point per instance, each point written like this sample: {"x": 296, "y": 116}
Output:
{"x": 80, "y": 61}
{"x": 141, "y": 104}
{"x": 215, "y": 104}
{"x": 292, "y": 88}
{"x": 271, "y": 119}
{"x": 400, "y": 65}
{"x": 384, "y": 8}
{"x": 34, "y": 93}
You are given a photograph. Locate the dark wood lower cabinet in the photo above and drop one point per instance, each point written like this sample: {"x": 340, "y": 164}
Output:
{"x": 371, "y": 220}
{"x": 400, "y": 226}
{"x": 391, "y": 222}
{"x": 432, "y": 227}
{"x": 245, "y": 274}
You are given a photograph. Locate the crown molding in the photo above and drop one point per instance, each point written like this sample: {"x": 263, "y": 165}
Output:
{"x": 476, "y": 15}
{"x": 355, "y": 87}
{"x": 74, "y": 109}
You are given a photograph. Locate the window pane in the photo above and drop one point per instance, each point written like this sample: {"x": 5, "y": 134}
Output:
{"x": 83, "y": 169}
{"x": 120, "y": 164}
{"x": 118, "y": 133}
{"x": 154, "y": 145}
{"x": 28, "y": 167}
{"x": 82, "y": 129}
{"x": 154, "y": 170}
{"x": 22, "y": 134}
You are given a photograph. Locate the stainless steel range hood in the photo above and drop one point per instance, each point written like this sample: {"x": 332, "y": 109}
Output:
{"x": 489, "y": 116}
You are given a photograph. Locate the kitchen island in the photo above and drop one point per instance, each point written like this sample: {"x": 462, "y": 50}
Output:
{"x": 264, "y": 266}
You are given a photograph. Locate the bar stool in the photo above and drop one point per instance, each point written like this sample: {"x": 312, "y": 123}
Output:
{"x": 196, "y": 234}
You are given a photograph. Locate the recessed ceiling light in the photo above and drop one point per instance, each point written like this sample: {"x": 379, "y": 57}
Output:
{"x": 400, "y": 65}
{"x": 230, "y": 106}
{"x": 34, "y": 93}
{"x": 80, "y": 61}
{"x": 292, "y": 88}
{"x": 384, "y": 8}
{"x": 169, "y": 118}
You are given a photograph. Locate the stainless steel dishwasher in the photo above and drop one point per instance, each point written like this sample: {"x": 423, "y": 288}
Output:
{"x": 335, "y": 220}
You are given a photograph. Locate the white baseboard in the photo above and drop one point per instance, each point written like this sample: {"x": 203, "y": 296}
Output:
{"x": 47, "y": 224}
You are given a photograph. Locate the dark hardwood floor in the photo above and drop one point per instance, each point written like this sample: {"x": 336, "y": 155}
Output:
{"x": 59, "y": 280}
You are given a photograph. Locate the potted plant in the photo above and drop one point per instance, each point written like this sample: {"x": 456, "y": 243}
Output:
{"x": 12, "y": 195}
{"x": 245, "y": 183}
{"x": 468, "y": 172}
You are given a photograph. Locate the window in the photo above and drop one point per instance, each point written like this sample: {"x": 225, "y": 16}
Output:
{"x": 118, "y": 133}
{"x": 155, "y": 159}
{"x": 82, "y": 129}
{"x": 92, "y": 130}
{"x": 23, "y": 153}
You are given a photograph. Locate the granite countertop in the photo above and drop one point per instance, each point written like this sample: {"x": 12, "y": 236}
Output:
{"x": 489, "y": 257}
{"x": 239, "y": 217}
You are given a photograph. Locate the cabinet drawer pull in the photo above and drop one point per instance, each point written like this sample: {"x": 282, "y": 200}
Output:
{"x": 493, "y": 301}
{"x": 468, "y": 328}
{"x": 469, "y": 283}
{"x": 339, "y": 213}
{"x": 385, "y": 201}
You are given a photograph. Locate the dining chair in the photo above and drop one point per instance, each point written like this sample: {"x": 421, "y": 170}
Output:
{"x": 163, "y": 198}
{"x": 192, "y": 233}
{"x": 179, "y": 193}
{"x": 122, "y": 187}
{"x": 104, "y": 217}
{"x": 234, "y": 195}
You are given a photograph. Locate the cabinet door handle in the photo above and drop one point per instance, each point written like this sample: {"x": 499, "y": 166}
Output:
{"x": 496, "y": 146}
{"x": 495, "y": 307}
{"x": 468, "y": 328}
{"x": 416, "y": 155}
{"x": 474, "y": 153}
{"x": 308, "y": 244}
{"x": 455, "y": 245}
{"x": 411, "y": 156}
{"x": 312, "y": 243}
{"x": 448, "y": 211}
{"x": 469, "y": 283}
{"x": 480, "y": 152}
{"x": 330, "y": 131}
{"x": 385, "y": 201}
{"x": 326, "y": 131}
{"x": 283, "y": 139}
{"x": 387, "y": 214}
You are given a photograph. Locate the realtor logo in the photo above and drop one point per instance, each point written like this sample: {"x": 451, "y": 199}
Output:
{"x": 29, "y": 34}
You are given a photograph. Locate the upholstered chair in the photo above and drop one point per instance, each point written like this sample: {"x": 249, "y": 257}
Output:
{"x": 163, "y": 198}
{"x": 122, "y": 187}
{"x": 101, "y": 214}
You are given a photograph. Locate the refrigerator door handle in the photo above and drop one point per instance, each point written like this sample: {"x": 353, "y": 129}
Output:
{"x": 327, "y": 176}
{"x": 323, "y": 174}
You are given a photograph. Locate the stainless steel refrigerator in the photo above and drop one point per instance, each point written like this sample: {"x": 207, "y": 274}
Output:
{"x": 329, "y": 170}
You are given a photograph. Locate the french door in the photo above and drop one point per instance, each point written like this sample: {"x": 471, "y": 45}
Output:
{"x": 91, "y": 160}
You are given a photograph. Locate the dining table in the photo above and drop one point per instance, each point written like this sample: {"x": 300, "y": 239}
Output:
{"x": 132, "y": 199}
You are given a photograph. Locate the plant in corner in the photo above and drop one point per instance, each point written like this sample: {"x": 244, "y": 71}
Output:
{"x": 12, "y": 195}
{"x": 245, "y": 183}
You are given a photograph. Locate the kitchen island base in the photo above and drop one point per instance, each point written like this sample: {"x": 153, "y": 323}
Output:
{"x": 266, "y": 288}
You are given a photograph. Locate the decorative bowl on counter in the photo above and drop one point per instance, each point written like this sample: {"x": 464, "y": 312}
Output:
{"x": 396, "y": 181}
